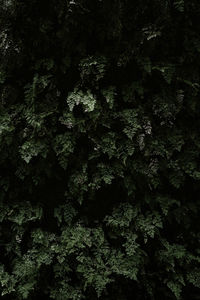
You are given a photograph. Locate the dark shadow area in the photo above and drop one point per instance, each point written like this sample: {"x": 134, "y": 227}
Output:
{"x": 101, "y": 202}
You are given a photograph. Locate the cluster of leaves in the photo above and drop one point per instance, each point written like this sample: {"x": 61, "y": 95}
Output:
{"x": 99, "y": 149}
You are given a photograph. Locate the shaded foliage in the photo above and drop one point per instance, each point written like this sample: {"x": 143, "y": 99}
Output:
{"x": 99, "y": 149}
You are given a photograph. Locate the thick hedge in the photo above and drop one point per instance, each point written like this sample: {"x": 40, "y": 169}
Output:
{"x": 99, "y": 149}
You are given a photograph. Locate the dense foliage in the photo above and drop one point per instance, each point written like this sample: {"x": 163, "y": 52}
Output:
{"x": 99, "y": 151}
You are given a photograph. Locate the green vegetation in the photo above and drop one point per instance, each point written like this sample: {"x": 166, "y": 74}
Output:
{"x": 100, "y": 149}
